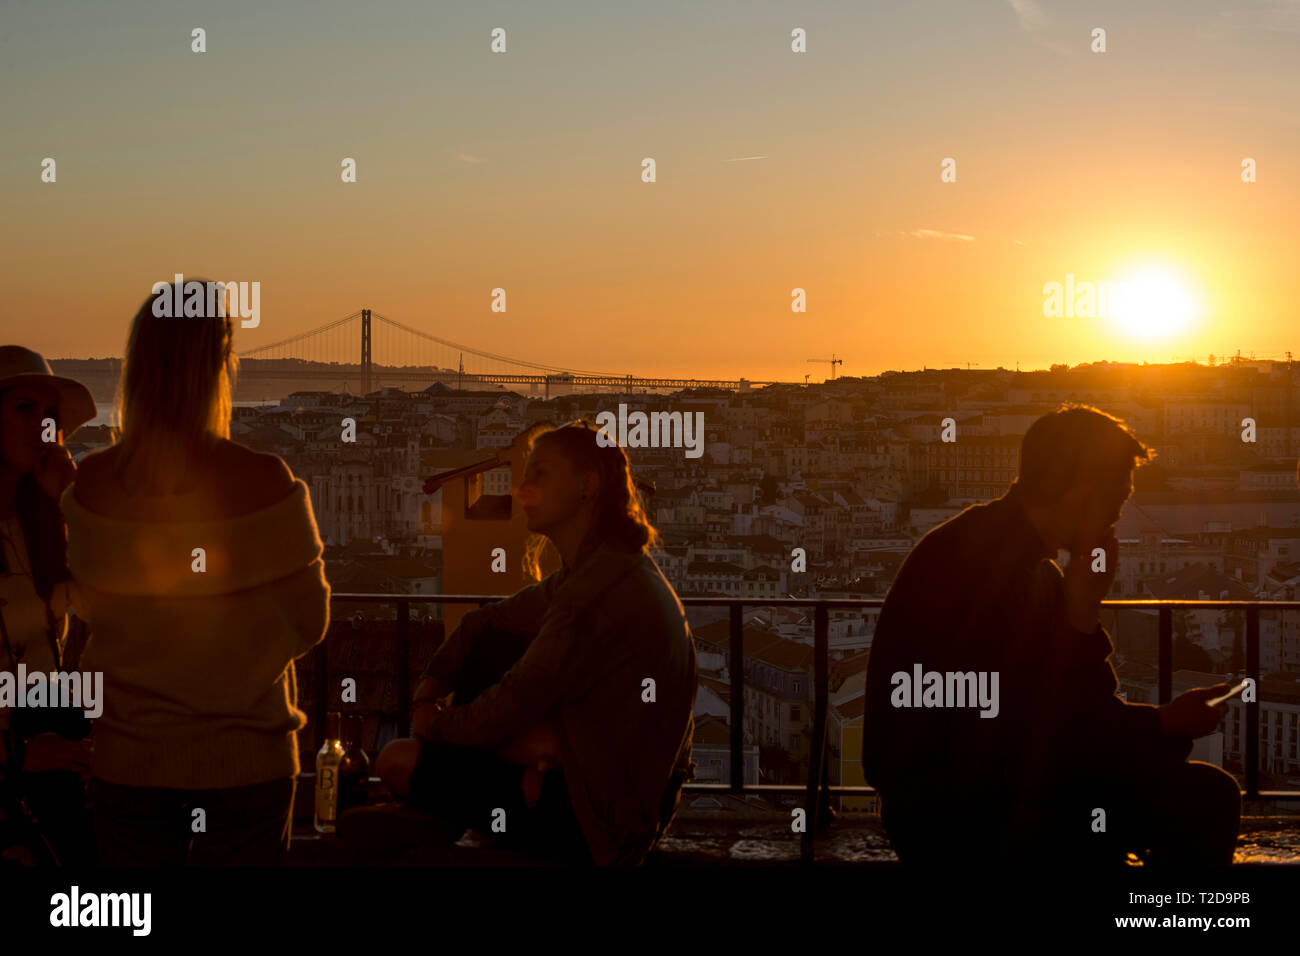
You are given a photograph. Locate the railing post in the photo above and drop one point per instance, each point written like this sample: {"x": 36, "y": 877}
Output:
{"x": 403, "y": 667}
{"x": 817, "y": 752}
{"x": 1166, "y": 652}
{"x": 737, "y": 671}
{"x": 1252, "y": 708}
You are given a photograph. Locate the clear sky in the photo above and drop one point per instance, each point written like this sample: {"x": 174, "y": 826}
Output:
{"x": 523, "y": 170}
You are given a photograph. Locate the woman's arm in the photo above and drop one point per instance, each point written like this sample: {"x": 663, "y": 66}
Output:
{"x": 521, "y": 613}
{"x": 530, "y": 690}
{"x": 307, "y": 594}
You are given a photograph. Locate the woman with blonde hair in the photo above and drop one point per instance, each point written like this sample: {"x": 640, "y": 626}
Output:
{"x": 198, "y": 563}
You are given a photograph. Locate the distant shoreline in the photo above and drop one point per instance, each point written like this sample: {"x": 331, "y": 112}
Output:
{"x": 101, "y": 376}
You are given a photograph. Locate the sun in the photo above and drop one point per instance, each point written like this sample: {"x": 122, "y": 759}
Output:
{"x": 1153, "y": 302}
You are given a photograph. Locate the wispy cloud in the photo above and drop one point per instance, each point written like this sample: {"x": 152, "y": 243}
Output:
{"x": 937, "y": 234}
{"x": 1271, "y": 16}
{"x": 1283, "y": 16}
{"x": 469, "y": 158}
{"x": 1030, "y": 15}
{"x": 1033, "y": 21}
{"x": 743, "y": 159}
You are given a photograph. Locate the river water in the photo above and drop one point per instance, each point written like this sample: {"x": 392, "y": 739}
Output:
{"x": 107, "y": 416}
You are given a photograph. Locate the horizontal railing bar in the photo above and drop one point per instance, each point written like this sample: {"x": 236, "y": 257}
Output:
{"x": 857, "y": 790}
{"x": 704, "y": 601}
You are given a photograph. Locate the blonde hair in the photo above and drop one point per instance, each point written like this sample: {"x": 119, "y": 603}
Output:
{"x": 175, "y": 390}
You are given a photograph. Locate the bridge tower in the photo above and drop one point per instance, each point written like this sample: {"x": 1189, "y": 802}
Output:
{"x": 366, "y": 387}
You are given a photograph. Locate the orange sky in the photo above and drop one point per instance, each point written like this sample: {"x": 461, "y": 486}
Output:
{"x": 522, "y": 171}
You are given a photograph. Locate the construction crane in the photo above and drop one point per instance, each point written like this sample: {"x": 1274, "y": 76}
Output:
{"x": 834, "y": 362}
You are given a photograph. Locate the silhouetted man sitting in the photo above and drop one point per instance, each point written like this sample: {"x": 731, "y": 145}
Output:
{"x": 993, "y": 731}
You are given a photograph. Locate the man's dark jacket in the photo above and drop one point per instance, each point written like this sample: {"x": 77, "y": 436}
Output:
{"x": 981, "y": 592}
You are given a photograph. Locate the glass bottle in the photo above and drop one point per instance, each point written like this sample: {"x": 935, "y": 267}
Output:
{"x": 327, "y": 775}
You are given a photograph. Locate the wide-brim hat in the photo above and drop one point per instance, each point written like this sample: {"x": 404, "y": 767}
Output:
{"x": 20, "y": 366}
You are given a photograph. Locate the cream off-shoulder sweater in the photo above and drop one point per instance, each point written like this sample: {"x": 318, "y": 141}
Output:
{"x": 197, "y": 647}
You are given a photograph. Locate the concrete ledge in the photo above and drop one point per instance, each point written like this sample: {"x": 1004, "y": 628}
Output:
{"x": 741, "y": 838}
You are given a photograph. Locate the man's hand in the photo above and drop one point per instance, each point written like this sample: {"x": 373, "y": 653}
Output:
{"x": 429, "y": 695}
{"x": 55, "y": 470}
{"x": 1085, "y": 588}
{"x": 1189, "y": 715}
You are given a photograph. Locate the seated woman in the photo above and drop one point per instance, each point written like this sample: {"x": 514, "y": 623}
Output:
{"x": 598, "y": 686}
{"x": 198, "y": 563}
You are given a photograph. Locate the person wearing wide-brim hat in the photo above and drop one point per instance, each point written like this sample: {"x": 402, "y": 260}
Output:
{"x": 34, "y": 394}
{"x": 19, "y": 365}
{"x": 33, "y": 555}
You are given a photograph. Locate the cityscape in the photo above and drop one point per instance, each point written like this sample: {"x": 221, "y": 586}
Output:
{"x": 853, "y": 471}
{"x": 852, "y": 443}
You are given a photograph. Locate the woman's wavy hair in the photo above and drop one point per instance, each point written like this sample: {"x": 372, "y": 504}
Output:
{"x": 620, "y": 519}
{"x": 176, "y": 386}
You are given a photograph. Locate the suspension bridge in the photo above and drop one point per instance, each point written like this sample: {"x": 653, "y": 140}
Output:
{"x": 396, "y": 355}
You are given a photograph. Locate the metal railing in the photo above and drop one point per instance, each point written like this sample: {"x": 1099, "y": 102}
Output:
{"x": 817, "y": 791}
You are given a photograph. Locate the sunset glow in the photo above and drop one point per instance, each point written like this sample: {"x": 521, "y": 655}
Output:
{"x": 1154, "y": 303}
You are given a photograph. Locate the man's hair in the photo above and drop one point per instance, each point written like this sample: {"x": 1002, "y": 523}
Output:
{"x": 1073, "y": 445}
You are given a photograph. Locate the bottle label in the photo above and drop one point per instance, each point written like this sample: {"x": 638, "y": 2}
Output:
{"x": 327, "y": 794}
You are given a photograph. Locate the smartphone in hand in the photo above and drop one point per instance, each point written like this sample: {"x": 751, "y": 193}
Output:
{"x": 1216, "y": 701}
